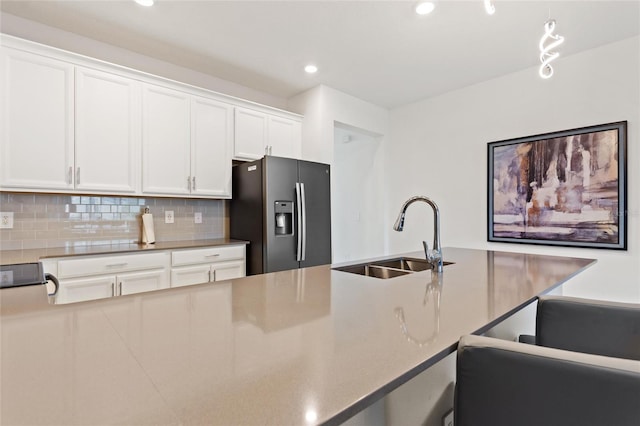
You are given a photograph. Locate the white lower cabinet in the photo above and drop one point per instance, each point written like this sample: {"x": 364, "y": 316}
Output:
{"x": 189, "y": 267}
{"x": 138, "y": 282}
{"x": 97, "y": 277}
{"x": 91, "y": 288}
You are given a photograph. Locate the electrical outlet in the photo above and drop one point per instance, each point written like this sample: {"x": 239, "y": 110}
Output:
{"x": 6, "y": 277}
{"x": 6, "y": 220}
{"x": 168, "y": 216}
{"x": 447, "y": 419}
{"x": 197, "y": 218}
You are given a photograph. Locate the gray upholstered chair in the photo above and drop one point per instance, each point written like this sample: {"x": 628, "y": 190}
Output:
{"x": 584, "y": 369}
{"x": 589, "y": 326}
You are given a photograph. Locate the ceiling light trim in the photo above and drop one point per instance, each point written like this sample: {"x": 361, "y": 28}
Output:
{"x": 425, "y": 8}
{"x": 145, "y": 3}
{"x": 489, "y": 7}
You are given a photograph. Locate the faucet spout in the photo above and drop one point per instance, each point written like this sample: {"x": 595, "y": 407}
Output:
{"x": 434, "y": 256}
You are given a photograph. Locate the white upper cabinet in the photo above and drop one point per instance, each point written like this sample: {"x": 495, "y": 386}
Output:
{"x": 211, "y": 146}
{"x": 166, "y": 140}
{"x": 107, "y": 132}
{"x": 186, "y": 144}
{"x": 284, "y": 137}
{"x": 258, "y": 134}
{"x": 72, "y": 124}
{"x": 250, "y": 134}
{"x": 36, "y": 145}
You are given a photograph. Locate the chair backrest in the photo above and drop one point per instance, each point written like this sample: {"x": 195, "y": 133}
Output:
{"x": 589, "y": 326}
{"x": 502, "y": 383}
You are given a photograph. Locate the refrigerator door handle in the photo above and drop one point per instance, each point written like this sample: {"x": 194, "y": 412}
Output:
{"x": 304, "y": 222}
{"x": 298, "y": 208}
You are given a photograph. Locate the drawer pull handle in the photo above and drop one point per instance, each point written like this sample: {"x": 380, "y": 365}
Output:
{"x": 213, "y": 255}
{"x": 117, "y": 265}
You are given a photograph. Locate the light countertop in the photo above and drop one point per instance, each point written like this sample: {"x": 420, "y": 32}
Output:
{"x": 297, "y": 347}
{"x": 33, "y": 255}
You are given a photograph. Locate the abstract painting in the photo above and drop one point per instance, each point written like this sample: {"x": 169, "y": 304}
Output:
{"x": 563, "y": 188}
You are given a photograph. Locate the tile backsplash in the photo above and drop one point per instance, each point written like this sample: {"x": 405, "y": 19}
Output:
{"x": 57, "y": 220}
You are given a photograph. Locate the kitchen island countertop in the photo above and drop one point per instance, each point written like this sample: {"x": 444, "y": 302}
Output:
{"x": 307, "y": 346}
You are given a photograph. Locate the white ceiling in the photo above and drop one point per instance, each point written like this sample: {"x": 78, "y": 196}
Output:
{"x": 379, "y": 51}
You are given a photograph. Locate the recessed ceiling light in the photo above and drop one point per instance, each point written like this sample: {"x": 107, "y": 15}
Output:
{"x": 489, "y": 7}
{"x": 425, "y": 8}
{"x": 144, "y": 2}
{"x": 311, "y": 69}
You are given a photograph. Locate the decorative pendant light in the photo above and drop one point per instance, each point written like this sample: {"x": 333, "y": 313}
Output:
{"x": 547, "y": 55}
{"x": 489, "y": 7}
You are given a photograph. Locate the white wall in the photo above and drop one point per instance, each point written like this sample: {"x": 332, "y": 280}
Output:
{"x": 358, "y": 228}
{"x": 438, "y": 147}
{"x": 322, "y": 107}
{"x": 325, "y": 109}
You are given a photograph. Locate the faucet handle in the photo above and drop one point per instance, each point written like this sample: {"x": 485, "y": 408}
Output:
{"x": 431, "y": 255}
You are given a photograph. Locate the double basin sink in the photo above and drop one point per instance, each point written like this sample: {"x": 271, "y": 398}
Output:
{"x": 388, "y": 268}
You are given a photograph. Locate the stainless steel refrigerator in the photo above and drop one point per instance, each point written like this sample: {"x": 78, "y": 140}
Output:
{"x": 282, "y": 206}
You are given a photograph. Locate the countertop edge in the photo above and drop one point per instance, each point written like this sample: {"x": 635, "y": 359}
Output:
{"x": 37, "y": 254}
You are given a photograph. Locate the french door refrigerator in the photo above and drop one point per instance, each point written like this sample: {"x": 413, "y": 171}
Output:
{"x": 282, "y": 206}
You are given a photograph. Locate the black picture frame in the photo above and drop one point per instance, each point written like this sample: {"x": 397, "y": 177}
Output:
{"x": 538, "y": 191}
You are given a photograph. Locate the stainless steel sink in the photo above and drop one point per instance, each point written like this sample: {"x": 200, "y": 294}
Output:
{"x": 375, "y": 271}
{"x": 388, "y": 268}
{"x": 405, "y": 264}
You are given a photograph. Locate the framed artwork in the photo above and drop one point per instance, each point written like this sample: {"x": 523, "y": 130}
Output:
{"x": 566, "y": 188}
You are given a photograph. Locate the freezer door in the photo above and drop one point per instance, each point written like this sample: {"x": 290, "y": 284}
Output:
{"x": 316, "y": 178}
{"x": 280, "y": 177}
{"x": 246, "y": 212}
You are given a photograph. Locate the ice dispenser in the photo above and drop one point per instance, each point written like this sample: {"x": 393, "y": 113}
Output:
{"x": 284, "y": 217}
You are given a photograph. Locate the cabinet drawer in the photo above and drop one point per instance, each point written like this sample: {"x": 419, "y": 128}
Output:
{"x": 82, "y": 289}
{"x": 190, "y": 275}
{"x": 101, "y": 265}
{"x": 207, "y": 255}
{"x": 228, "y": 270}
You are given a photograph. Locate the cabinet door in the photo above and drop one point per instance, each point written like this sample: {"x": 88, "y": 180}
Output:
{"x": 36, "y": 145}
{"x": 250, "y": 134}
{"x": 211, "y": 140}
{"x": 107, "y": 132}
{"x": 228, "y": 270}
{"x": 81, "y": 289}
{"x": 138, "y": 282}
{"x": 284, "y": 137}
{"x": 190, "y": 275}
{"x": 165, "y": 141}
